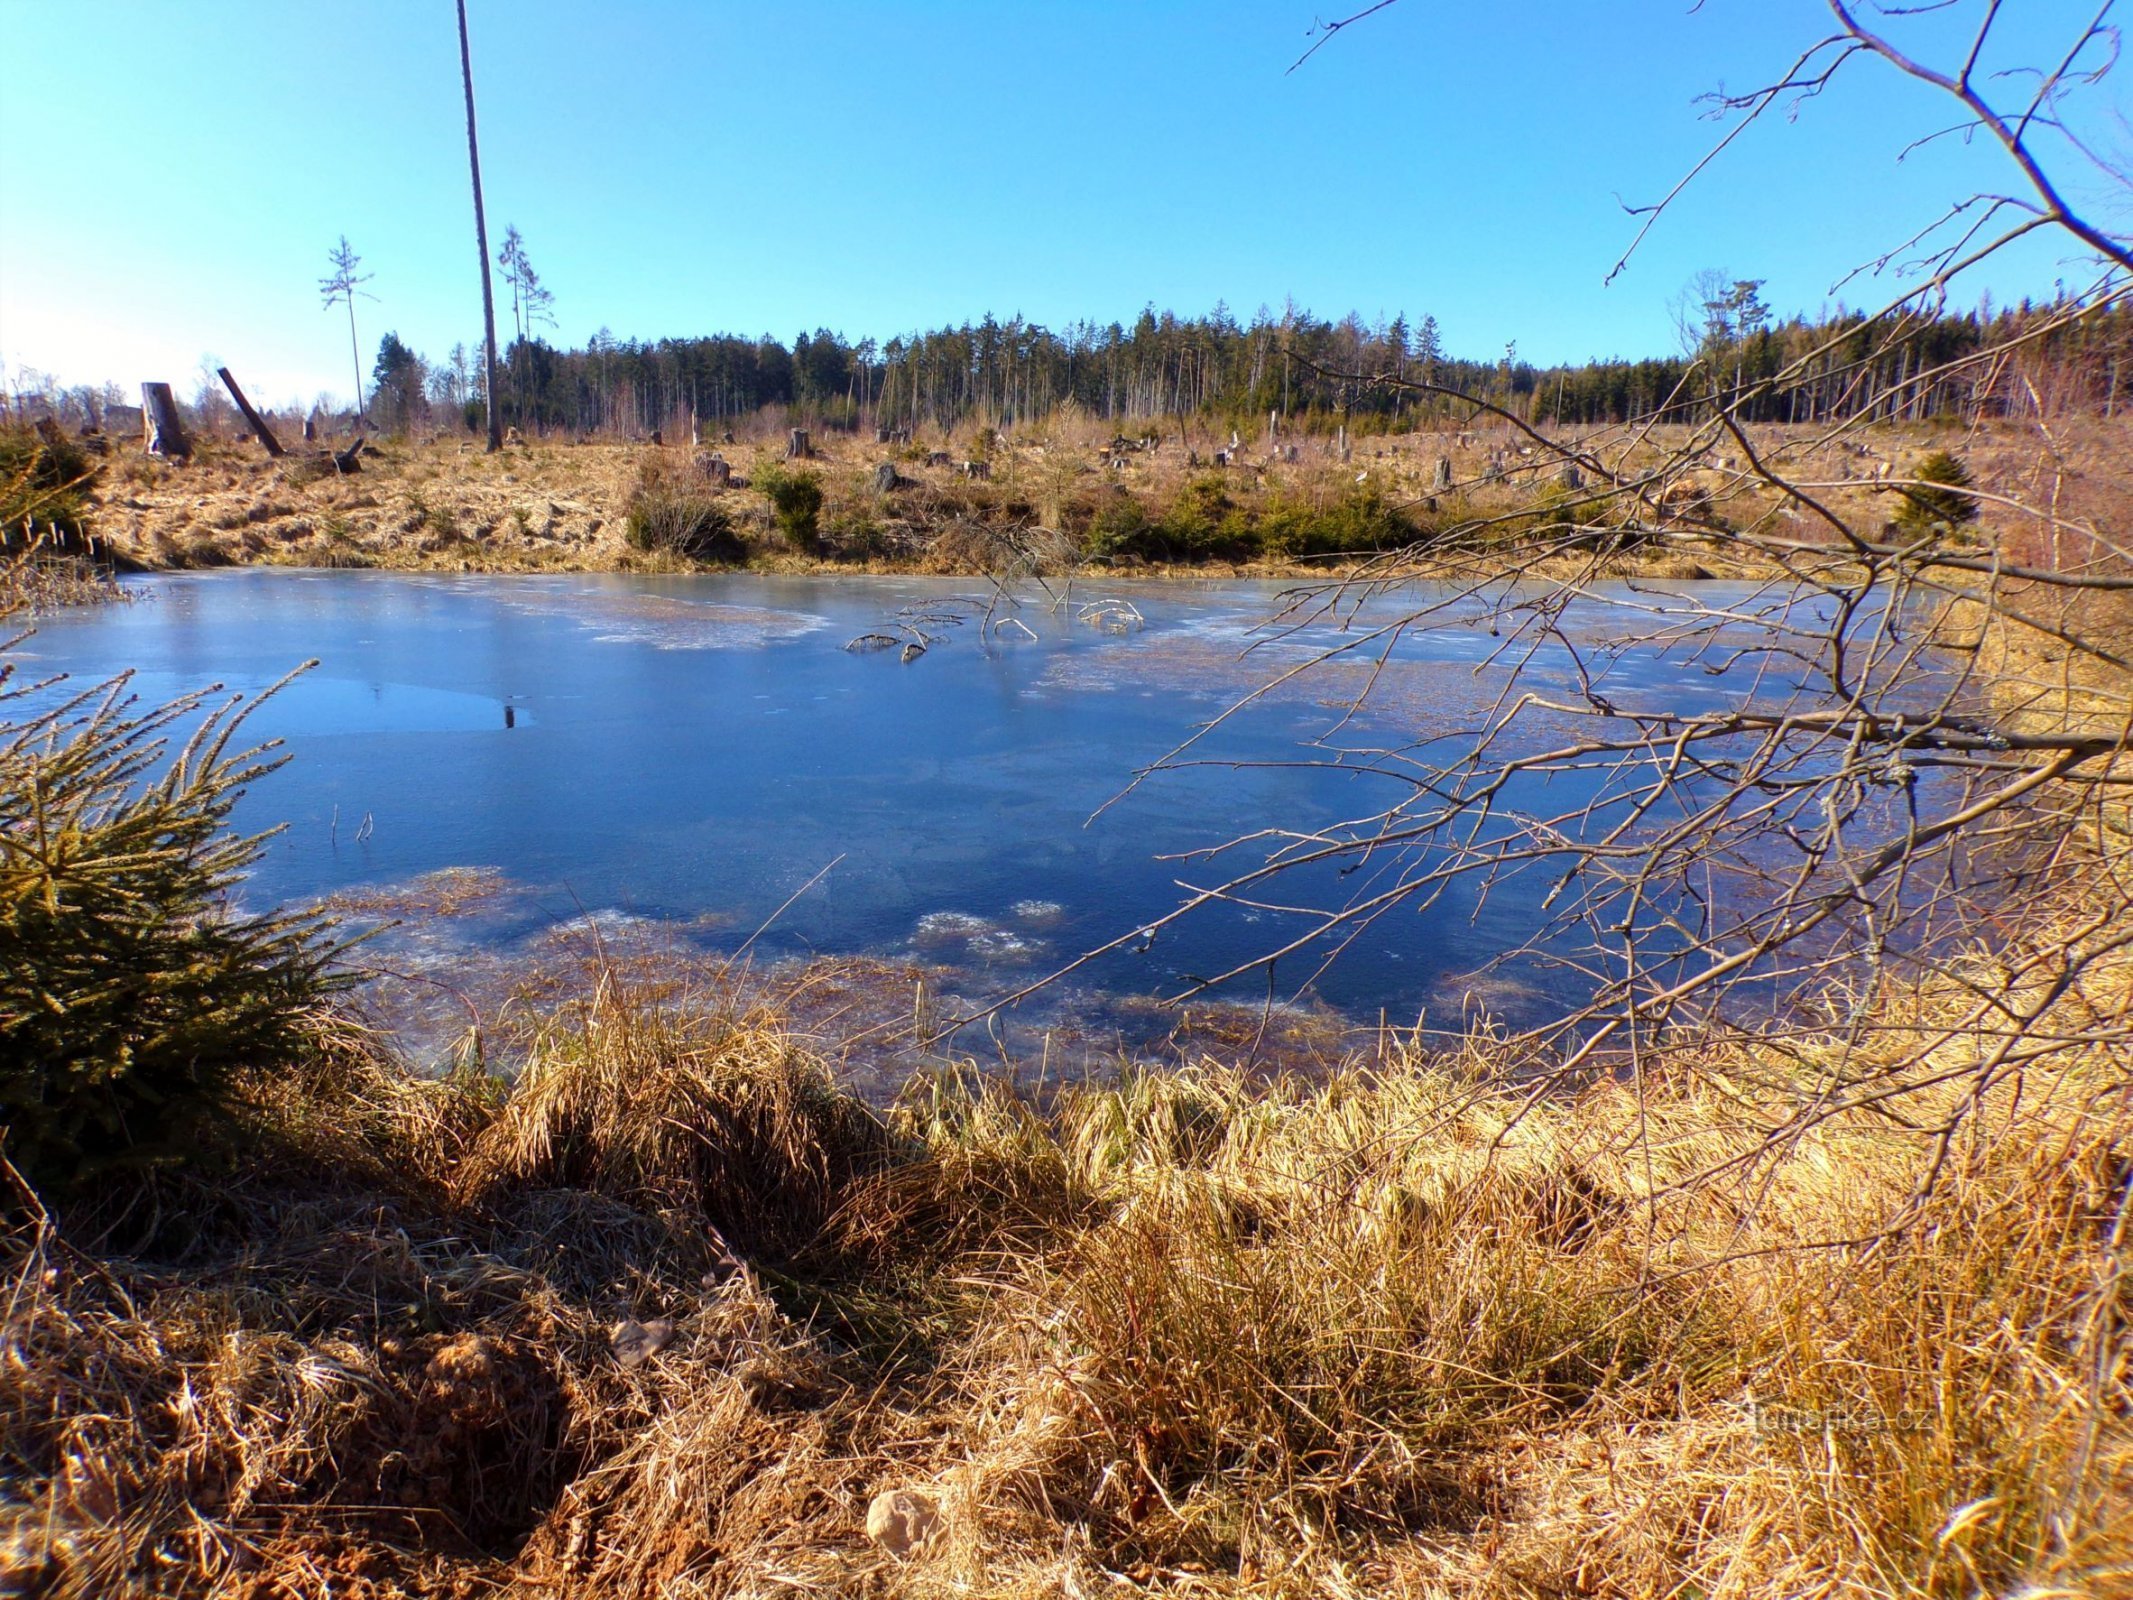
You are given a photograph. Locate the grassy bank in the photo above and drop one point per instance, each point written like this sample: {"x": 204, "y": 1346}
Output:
{"x": 1058, "y": 498}
{"x": 1395, "y": 1332}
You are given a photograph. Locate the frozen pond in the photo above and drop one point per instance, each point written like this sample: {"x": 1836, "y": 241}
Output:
{"x": 697, "y": 751}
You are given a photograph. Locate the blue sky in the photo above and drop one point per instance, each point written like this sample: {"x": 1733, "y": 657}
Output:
{"x": 173, "y": 172}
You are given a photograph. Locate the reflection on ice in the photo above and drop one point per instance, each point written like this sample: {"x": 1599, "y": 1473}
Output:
{"x": 665, "y": 622}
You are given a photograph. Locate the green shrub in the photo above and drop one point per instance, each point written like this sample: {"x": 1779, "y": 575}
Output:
{"x": 1203, "y": 522}
{"x": 1359, "y": 520}
{"x": 131, "y": 993}
{"x": 1118, "y": 527}
{"x": 796, "y": 500}
{"x": 1556, "y": 513}
{"x": 1940, "y": 498}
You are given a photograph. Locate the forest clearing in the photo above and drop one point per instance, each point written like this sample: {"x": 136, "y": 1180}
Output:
{"x": 1058, "y": 497}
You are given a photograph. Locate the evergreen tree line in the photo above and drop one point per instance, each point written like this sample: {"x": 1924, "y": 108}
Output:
{"x": 2023, "y": 360}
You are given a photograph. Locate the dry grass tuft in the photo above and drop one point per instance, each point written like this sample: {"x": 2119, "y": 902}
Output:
{"x": 40, "y": 579}
{"x": 712, "y": 1118}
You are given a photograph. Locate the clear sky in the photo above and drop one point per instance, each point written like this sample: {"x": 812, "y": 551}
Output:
{"x": 173, "y": 172}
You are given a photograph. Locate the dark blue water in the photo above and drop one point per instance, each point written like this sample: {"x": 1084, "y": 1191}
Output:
{"x": 695, "y": 750}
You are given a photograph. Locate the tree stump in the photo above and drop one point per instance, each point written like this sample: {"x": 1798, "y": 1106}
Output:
{"x": 716, "y": 470}
{"x": 798, "y": 448}
{"x": 886, "y": 478}
{"x": 1441, "y": 479}
{"x": 166, "y": 433}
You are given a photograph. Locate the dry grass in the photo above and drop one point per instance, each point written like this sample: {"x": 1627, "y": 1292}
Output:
{"x": 1394, "y": 1331}
{"x": 560, "y": 504}
{"x": 37, "y": 580}
{"x": 46, "y": 482}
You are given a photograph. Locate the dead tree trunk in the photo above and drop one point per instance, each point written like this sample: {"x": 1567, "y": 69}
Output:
{"x": 481, "y": 248}
{"x": 166, "y": 433}
{"x": 259, "y": 423}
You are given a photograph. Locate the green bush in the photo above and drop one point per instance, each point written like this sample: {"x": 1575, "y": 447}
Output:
{"x": 1204, "y": 522}
{"x": 1360, "y": 520}
{"x": 1118, "y": 527}
{"x": 796, "y": 499}
{"x": 131, "y": 993}
{"x": 1940, "y": 498}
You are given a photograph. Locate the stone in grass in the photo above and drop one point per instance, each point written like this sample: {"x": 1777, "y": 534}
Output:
{"x": 902, "y": 1521}
{"x": 635, "y": 1343}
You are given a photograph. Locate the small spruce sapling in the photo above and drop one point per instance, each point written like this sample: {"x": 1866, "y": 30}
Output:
{"x": 1939, "y": 497}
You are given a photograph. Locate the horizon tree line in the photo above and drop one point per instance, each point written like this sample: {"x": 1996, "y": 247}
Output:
{"x": 1311, "y": 373}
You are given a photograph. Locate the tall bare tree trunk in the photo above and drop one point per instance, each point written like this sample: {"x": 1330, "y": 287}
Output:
{"x": 355, "y": 354}
{"x": 481, "y": 243}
